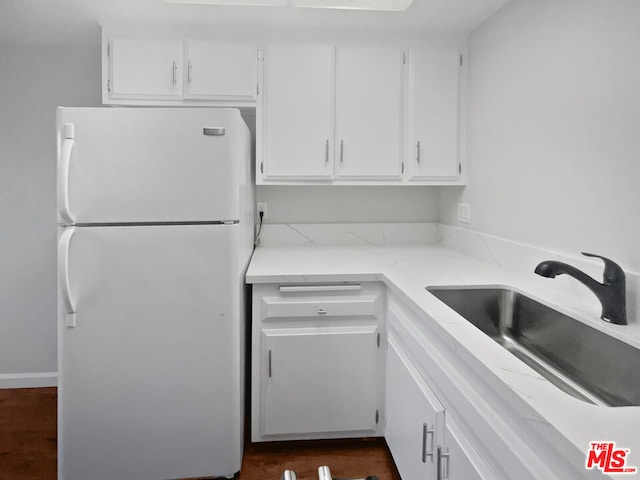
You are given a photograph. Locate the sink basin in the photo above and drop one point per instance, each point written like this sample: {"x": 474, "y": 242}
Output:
{"x": 580, "y": 360}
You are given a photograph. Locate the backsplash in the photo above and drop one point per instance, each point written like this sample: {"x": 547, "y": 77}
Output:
{"x": 521, "y": 259}
{"x": 326, "y": 234}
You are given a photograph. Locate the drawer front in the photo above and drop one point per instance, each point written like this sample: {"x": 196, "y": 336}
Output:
{"x": 276, "y": 307}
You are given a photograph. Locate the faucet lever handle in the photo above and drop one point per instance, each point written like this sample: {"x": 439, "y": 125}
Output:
{"x": 612, "y": 271}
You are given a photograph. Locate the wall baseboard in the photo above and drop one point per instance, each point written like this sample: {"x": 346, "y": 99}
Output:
{"x": 28, "y": 380}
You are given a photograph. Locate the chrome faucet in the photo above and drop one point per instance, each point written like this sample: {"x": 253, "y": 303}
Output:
{"x": 611, "y": 293}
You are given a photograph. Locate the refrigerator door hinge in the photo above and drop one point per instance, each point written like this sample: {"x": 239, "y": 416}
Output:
{"x": 378, "y": 340}
{"x": 377, "y": 416}
{"x": 262, "y": 168}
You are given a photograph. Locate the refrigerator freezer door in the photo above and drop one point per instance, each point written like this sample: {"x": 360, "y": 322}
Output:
{"x": 150, "y": 382}
{"x": 130, "y": 165}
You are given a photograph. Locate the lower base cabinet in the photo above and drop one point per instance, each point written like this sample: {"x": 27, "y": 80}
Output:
{"x": 425, "y": 444}
{"x": 317, "y": 361}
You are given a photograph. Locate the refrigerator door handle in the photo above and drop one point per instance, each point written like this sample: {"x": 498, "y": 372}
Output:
{"x": 63, "y": 274}
{"x": 64, "y": 163}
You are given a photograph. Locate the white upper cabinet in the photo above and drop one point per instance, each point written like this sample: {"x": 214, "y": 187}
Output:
{"x": 145, "y": 68}
{"x": 170, "y": 71}
{"x": 295, "y": 128}
{"x": 369, "y": 113}
{"x": 433, "y": 110}
{"x": 215, "y": 70}
{"x": 330, "y": 115}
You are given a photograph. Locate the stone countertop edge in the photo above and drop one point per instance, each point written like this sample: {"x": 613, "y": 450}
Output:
{"x": 409, "y": 269}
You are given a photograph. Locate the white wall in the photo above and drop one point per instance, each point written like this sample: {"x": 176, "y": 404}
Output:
{"x": 554, "y": 127}
{"x": 33, "y": 81}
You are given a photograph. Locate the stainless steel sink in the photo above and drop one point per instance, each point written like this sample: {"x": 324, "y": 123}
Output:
{"x": 580, "y": 360}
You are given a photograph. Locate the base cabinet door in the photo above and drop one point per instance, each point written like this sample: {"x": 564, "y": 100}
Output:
{"x": 414, "y": 418}
{"x": 424, "y": 440}
{"x": 458, "y": 460}
{"x": 319, "y": 380}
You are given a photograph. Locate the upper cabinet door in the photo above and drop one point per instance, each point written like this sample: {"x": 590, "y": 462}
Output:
{"x": 296, "y": 138}
{"x": 433, "y": 114}
{"x": 369, "y": 113}
{"x": 220, "y": 71}
{"x": 145, "y": 68}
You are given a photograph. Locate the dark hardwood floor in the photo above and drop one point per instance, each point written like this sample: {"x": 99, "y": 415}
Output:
{"x": 28, "y": 434}
{"x": 28, "y": 447}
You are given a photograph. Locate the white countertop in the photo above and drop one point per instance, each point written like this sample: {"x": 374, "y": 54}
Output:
{"x": 409, "y": 269}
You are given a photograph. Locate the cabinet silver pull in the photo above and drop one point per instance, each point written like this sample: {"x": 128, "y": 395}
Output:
{"x": 189, "y": 72}
{"x": 341, "y": 151}
{"x": 326, "y": 151}
{"x": 175, "y": 72}
{"x": 445, "y": 464}
{"x": 269, "y": 364}
{"x": 426, "y": 432}
{"x": 322, "y": 311}
{"x": 418, "y": 151}
{"x": 442, "y": 468}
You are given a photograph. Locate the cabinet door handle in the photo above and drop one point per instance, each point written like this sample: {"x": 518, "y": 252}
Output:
{"x": 174, "y": 69}
{"x": 442, "y": 468}
{"x": 426, "y": 432}
{"x": 341, "y": 151}
{"x": 418, "y": 151}
{"x": 322, "y": 311}
{"x": 189, "y": 72}
{"x": 326, "y": 151}
{"x": 269, "y": 366}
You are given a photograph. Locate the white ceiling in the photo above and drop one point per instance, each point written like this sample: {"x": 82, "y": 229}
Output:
{"x": 78, "y": 21}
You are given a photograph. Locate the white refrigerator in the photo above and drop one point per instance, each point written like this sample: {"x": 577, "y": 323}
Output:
{"x": 155, "y": 215}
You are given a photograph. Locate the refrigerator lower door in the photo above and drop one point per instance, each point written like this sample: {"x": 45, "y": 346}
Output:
{"x": 150, "y": 371}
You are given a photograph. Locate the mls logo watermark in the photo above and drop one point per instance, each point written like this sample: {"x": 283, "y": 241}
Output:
{"x": 608, "y": 458}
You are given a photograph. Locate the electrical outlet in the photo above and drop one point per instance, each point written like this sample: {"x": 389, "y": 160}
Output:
{"x": 262, "y": 207}
{"x": 464, "y": 212}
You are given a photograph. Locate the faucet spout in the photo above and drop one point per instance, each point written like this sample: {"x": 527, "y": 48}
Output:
{"x": 611, "y": 293}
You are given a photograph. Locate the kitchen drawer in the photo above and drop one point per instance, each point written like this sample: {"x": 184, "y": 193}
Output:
{"x": 276, "y": 307}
